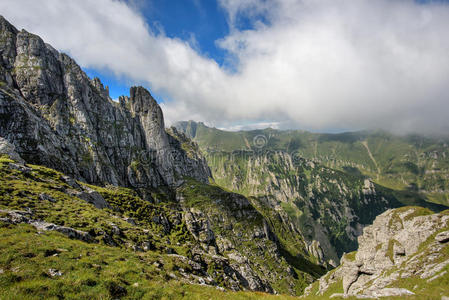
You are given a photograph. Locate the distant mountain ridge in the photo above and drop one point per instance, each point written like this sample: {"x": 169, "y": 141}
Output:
{"x": 325, "y": 201}
{"x": 414, "y": 163}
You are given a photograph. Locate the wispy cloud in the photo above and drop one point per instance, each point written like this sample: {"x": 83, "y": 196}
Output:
{"x": 310, "y": 63}
{"x": 251, "y": 126}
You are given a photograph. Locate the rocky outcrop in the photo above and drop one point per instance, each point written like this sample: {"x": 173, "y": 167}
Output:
{"x": 56, "y": 116}
{"x": 17, "y": 217}
{"x": 235, "y": 234}
{"x": 91, "y": 196}
{"x": 401, "y": 244}
{"x": 9, "y": 150}
{"x": 199, "y": 226}
{"x": 326, "y": 207}
{"x": 442, "y": 237}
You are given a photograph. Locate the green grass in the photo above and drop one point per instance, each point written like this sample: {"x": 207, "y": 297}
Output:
{"x": 20, "y": 190}
{"x": 417, "y": 211}
{"x": 351, "y": 256}
{"x": 390, "y": 249}
{"x": 103, "y": 269}
{"x": 90, "y": 271}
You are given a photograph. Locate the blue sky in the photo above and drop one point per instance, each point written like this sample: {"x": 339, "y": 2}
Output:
{"x": 200, "y": 22}
{"x": 317, "y": 65}
{"x": 204, "y": 21}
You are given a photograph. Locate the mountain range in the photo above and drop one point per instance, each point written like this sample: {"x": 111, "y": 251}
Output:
{"x": 98, "y": 199}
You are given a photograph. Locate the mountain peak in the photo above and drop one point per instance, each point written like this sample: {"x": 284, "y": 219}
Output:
{"x": 141, "y": 99}
{"x": 57, "y": 98}
{"x": 4, "y": 24}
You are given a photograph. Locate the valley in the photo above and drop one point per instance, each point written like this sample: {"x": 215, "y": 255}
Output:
{"x": 100, "y": 200}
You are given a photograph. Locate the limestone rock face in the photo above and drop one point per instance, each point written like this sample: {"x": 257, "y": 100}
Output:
{"x": 231, "y": 230}
{"x": 401, "y": 243}
{"x": 56, "y": 116}
{"x": 36, "y": 70}
{"x": 199, "y": 226}
{"x": 323, "y": 206}
{"x": 442, "y": 237}
{"x": 92, "y": 197}
{"x": 8, "y": 149}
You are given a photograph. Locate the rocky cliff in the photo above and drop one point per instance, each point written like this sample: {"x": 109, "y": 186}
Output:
{"x": 405, "y": 252}
{"x": 111, "y": 172}
{"x": 81, "y": 171}
{"x": 56, "y": 116}
{"x": 327, "y": 207}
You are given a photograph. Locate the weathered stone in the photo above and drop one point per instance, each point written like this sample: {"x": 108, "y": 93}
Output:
{"x": 442, "y": 237}
{"x": 388, "y": 251}
{"x": 19, "y": 167}
{"x": 45, "y": 197}
{"x": 67, "y": 231}
{"x": 92, "y": 197}
{"x": 17, "y": 217}
{"x": 54, "y": 272}
{"x": 392, "y": 292}
{"x": 199, "y": 226}
{"x": 130, "y": 221}
{"x": 351, "y": 274}
{"x": 146, "y": 246}
{"x": 8, "y": 149}
{"x": 115, "y": 229}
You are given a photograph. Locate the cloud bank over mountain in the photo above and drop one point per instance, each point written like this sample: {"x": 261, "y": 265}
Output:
{"x": 314, "y": 64}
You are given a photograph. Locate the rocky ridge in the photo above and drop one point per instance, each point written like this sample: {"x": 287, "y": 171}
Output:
{"x": 56, "y": 116}
{"x": 327, "y": 207}
{"x": 415, "y": 163}
{"x": 120, "y": 160}
{"x": 143, "y": 189}
{"x": 403, "y": 253}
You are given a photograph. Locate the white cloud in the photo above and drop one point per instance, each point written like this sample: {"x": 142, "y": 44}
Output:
{"x": 311, "y": 63}
{"x": 251, "y": 126}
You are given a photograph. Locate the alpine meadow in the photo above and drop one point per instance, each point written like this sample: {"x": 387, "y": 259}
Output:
{"x": 288, "y": 149}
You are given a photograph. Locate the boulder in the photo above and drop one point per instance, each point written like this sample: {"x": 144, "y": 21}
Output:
{"x": 6, "y": 148}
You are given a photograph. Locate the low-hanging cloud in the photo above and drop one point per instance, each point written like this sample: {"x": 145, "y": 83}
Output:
{"x": 315, "y": 64}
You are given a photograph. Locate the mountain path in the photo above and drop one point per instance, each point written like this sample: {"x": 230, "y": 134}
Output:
{"x": 247, "y": 143}
{"x": 365, "y": 144}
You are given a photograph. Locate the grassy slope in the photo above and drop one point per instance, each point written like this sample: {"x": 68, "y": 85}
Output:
{"x": 89, "y": 271}
{"x": 19, "y": 190}
{"x": 100, "y": 271}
